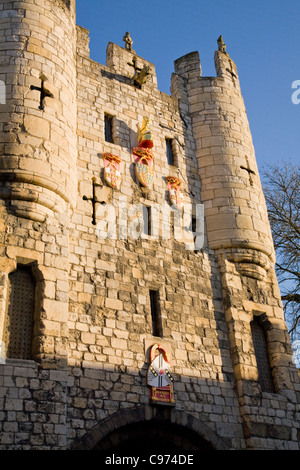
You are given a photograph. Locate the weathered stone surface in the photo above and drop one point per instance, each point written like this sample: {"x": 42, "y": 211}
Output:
{"x": 93, "y": 318}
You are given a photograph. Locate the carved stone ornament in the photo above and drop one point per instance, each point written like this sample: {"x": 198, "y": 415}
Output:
{"x": 140, "y": 77}
{"x": 174, "y": 187}
{"x": 159, "y": 377}
{"x": 112, "y": 173}
{"x": 221, "y": 44}
{"x": 145, "y": 134}
{"x": 143, "y": 155}
{"x": 128, "y": 41}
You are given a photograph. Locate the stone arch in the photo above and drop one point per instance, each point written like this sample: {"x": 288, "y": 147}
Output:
{"x": 129, "y": 425}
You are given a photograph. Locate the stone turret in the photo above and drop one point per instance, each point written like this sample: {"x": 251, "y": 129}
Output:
{"x": 38, "y": 121}
{"x": 235, "y": 210}
{"x": 237, "y": 225}
{"x": 38, "y": 175}
{"x": 86, "y": 319}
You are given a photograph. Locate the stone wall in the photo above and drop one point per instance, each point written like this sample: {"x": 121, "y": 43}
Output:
{"x": 110, "y": 317}
{"x": 93, "y": 321}
{"x": 33, "y": 407}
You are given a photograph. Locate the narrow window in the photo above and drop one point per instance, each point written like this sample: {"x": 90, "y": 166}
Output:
{"x": 194, "y": 224}
{"x": 108, "y": 126}
{"x": 155, "y": 313}
{"x": 148, "y": 221}
{"x": 170, "y": 153}
{"x": 194, "y": 230}
{"x": 18, "y": 325}
{"x": 262, "y": 356}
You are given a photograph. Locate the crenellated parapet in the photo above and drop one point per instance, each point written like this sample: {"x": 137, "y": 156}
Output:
{"x": 235, "y": 210}
{"x": 238, "y": 230}
{"x": 127, "y": 314}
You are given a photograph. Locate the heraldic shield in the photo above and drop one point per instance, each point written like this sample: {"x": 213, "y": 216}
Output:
{"x": 144, "y": 167}
{"x": 174, "y": 187}
{"x": 112, "y": 174}
{"x": 159, "y": 377}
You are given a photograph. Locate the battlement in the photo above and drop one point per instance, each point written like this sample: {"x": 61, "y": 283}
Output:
{"x": 189, "y": 66}
{"x": 125, "y": 62}
{"x": 115, "y": 328}
{"x": 128, "y": 63}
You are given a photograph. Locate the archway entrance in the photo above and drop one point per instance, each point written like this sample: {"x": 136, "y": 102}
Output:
{"x": 152, "y": 436}
{"x": 150, "y": 429}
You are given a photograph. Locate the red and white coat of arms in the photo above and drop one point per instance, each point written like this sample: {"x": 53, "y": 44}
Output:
{"x": 112, "y": 173}
{"x": 144, "y": 166}
{"x": 174, "y": 187}
{"x": 159, "y": 377}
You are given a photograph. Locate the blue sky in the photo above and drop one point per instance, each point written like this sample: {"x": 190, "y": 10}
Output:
{"x": 262, "y": 37}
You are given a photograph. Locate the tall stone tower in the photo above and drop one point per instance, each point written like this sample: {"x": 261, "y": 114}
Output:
{"x": 236, "y": 218}
{"x": 113, "y": 341}
{"x": 38, "y": 161}
{"x": 38, "y": 180}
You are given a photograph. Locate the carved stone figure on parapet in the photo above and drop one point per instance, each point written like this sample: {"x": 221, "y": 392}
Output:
{"x": 221, "y": 44}
{"x": 140, "y": 77}
{"x": 128, "y": 41}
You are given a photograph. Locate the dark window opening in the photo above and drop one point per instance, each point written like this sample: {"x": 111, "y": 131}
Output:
{"x": 18, "y": 325}
{"x": 108, "y": 125}
{"x": 194, "y": 230}
{"x": 170, "y": 153}
{"x": 262, "y": 356}
{"x": 155, "y": 313}
{"x": 194, "y": 224}
{"x": 148, "y": 221}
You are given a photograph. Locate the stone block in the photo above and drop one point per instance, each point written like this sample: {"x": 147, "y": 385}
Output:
{"x": 95, "y": 310}
{"x": 56, "y": 310}
{"x": 36, "y": 126}
{"x": 114, "y": 304}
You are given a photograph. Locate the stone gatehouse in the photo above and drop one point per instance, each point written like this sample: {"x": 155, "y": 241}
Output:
{"x": 138, "y": 297}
